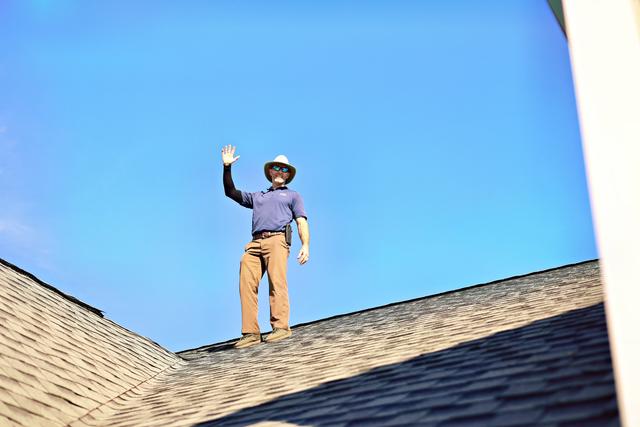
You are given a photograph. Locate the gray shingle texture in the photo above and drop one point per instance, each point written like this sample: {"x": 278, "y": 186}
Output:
{"x": 59, "y": 360}
{"x": 530, "y": 350}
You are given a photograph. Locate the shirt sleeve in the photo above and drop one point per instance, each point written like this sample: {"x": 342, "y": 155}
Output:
{"x": 247, "y": 199}
{"x": 297, "y": 206}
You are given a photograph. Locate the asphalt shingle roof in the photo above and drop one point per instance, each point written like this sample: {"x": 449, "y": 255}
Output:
{"x": 521, "y": 351}
{"x": 59, "y": 358}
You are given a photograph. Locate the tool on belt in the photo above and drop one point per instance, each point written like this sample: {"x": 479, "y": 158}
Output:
{"x": 287, "y": 234}
{"x": 265, "y": 234}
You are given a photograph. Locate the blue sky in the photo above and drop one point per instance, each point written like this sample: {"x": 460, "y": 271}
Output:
{"x": 437, "y": 146}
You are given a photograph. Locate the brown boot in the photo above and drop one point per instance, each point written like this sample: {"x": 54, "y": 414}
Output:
{"x": 248, "y": 340}
{"x": 278, "y": 334}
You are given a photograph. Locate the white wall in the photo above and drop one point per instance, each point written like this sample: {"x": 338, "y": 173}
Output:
{"x": 604, "y": 43}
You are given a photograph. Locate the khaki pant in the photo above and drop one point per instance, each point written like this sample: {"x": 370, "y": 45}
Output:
{"x": 270, "y": 255}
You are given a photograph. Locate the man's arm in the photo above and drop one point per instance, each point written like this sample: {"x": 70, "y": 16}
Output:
{"x": 228, "y": 153}
{"x": 303, "y": 232}
{"x": 229, "y": 188}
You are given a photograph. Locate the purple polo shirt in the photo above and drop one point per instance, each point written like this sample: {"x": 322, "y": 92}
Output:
{"x": 273, "y": 209}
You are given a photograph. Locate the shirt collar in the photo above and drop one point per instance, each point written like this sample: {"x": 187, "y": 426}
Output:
{"x": 279, "y": 188}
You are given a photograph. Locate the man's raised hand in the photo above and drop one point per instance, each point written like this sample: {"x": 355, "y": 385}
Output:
{"x": 227, "y": 155}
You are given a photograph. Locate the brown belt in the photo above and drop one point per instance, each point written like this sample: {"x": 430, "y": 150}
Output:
{"x": 265, "y": 234}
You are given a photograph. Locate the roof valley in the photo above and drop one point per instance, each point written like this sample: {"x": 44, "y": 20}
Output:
{"x": 86, "y": 418}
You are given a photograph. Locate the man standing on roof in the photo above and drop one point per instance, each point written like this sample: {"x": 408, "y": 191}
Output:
{"x": 273, "y": 211}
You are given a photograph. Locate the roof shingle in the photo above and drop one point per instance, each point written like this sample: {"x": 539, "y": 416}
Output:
{"x": 59, "y": 358}
{"x": 526, "y": 350}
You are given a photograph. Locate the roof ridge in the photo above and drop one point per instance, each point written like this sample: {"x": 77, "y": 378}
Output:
{"x": 533, "y": 273}
{"x": 83, "y": 304}
{"x": 52, "y": 288}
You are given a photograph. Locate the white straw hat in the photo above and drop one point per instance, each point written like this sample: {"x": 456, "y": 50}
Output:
{"x": 282, "y": 160}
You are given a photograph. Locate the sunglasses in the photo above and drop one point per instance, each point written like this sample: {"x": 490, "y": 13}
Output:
{"x": 280, "y": 168}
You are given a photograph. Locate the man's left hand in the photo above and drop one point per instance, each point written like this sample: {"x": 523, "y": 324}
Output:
{"x": 303, "y": 255}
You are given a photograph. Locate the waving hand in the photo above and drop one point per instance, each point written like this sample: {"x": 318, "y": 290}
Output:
{"x": 227, "y": 155}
